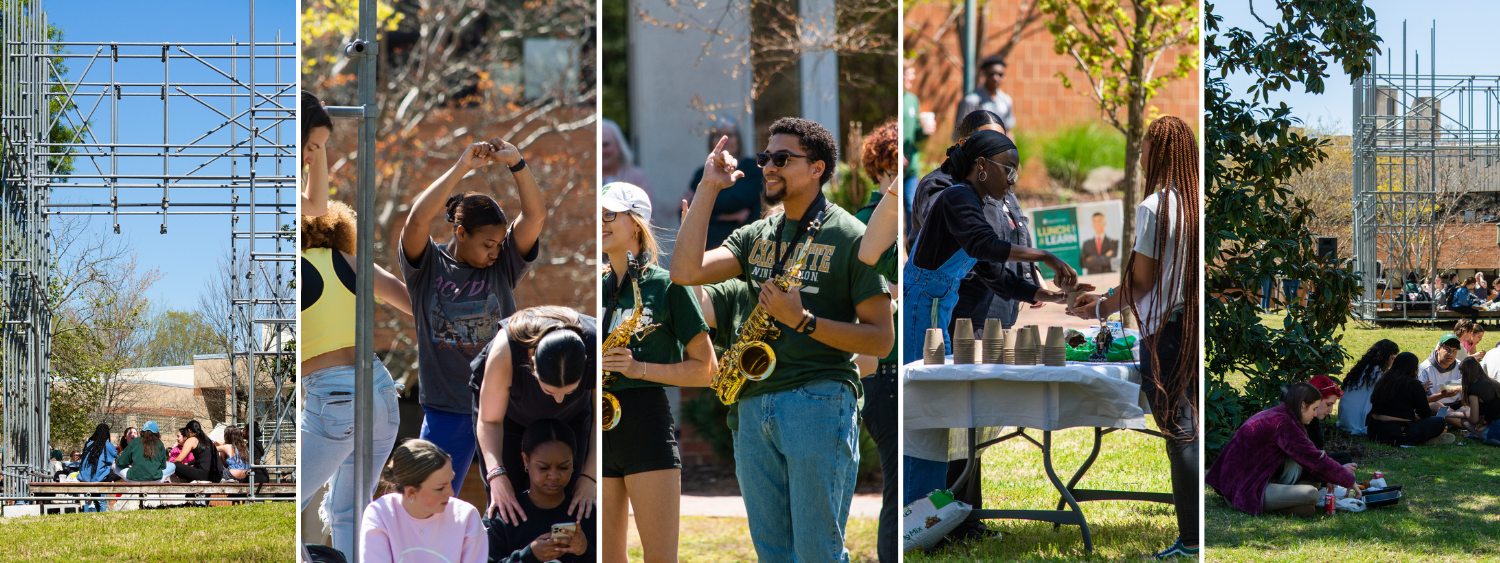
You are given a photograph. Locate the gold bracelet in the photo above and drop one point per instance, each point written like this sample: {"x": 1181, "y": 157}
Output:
{"x": 891, "y": 190}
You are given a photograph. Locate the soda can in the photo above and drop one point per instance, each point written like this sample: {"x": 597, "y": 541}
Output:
{"x": 1328, "y": 503}
{"x": 1378, "y": 475}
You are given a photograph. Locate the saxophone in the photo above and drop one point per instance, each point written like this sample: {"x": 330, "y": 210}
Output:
{"x": 750, "y": 358}
{"x": 620, "y": 337}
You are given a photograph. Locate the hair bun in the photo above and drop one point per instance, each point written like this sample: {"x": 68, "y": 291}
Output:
{"x": 452, "y": 205}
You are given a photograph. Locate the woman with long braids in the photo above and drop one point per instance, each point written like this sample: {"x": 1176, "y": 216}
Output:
{"x": 642, "y": 467}
{"x": 461, "y": 290}
{"x": 955, "y": 240}
{"x": 98, "y": 454}
{"x": 543, "y": 363}
{"x": 1160, "y": 283}
{"x": 326, "y": 421}
{"x": 1359, "y": 383}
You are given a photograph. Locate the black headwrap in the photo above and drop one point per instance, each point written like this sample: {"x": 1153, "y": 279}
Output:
{"x": 961, "y": 156}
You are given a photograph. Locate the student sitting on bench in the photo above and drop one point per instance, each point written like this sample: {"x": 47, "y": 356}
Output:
{"x": 145, "y": 459}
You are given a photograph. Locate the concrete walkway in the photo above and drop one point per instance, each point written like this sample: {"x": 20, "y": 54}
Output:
{"x": 864, "y": 506}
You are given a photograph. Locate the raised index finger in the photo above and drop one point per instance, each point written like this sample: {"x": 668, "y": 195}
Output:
{"x": 720, "y": 147}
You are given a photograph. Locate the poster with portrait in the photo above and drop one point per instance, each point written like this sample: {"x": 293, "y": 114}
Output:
{"x": 1085, "y": 235}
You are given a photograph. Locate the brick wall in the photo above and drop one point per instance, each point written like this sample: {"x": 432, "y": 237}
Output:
{"x": 1041, "y": 102}
{"x": 693, "y": 449}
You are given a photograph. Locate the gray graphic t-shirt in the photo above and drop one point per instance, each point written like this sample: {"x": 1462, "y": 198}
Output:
{"x": 458, "y": 309}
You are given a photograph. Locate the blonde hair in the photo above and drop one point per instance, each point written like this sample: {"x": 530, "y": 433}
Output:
{"x": 334, "y": 229}
{"x": 411, "y": 464}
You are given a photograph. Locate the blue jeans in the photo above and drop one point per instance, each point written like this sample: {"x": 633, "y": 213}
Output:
{"x": 920, "y": 477}
{"x": 797, "y": 456}
{"x": 1290, "y": 289}
{"x": 454, "y": 432}
{"x": 1493, "y": 432}
{"x": 326, "y": 430}
{"x": 1267, "y": 285}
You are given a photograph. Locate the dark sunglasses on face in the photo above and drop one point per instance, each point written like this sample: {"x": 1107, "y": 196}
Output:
{"x": 779, "y": 158}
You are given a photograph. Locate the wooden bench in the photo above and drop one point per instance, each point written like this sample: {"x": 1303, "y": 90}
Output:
{"x": 1442, "y": 315}
{"x": 69, "y": 493}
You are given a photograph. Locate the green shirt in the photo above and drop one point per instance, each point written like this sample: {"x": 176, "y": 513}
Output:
{"x": 834, "y": 281}
{"x": 911, "y": 132}
{"x": 142, "y": 468}
{"x": 885, "y": 266}
{"x": 732, "y": 301}
{"x": 668, "y": 305}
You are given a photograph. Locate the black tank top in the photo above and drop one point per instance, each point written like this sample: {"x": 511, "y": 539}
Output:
{"x": 528, "y": 402}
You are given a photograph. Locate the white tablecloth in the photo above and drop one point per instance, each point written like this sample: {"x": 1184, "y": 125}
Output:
{"x": 943, "y": 401}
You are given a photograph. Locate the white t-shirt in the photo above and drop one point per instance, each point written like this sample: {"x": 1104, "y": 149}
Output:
{"x": 1146, "y": 217}
{"x": 1429, "y": 373}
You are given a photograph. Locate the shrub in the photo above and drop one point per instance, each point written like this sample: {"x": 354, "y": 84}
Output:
{"x": 1070, "y": 153}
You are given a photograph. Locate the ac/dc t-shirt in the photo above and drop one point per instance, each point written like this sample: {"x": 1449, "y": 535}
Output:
{"x": 834, "y": 281}
{"x": 457, "y": 309}
{"x": 669, "y": 306}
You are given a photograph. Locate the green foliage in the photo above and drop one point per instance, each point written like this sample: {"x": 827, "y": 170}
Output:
{"x": 1260, "y": 228}
{"x": 174, "y": 337}
{"x": 706, "y": 415}
{"x": 62, "y": 131}
{"x": 846, "y": 190}
{"x": 1070, "y": 153}
{"x": 616, "y": 70}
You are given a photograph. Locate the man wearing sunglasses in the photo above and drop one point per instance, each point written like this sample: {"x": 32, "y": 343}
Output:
{"x": 796, "y": 435}
{"x": 988, "y": 96}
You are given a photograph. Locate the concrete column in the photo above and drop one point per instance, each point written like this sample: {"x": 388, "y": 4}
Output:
{"x": 820, "y": 68}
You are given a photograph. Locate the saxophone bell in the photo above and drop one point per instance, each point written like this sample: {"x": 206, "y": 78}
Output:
{"x": 757, "y": 361}
{"x": 612, "y": 411}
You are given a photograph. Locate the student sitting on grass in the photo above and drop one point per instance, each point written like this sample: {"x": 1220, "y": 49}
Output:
{"x": 145, "y": 459}
{"x": 417, "y": 518}
{"x": 1330, "y": 394}
{"x": 1482, "y": 397}
{"x": 1441, "y": 368}
{"x": 1359, "y": 382}
{"x": 1400, "y": 410}
{"x": 1271, "y": 465}
{"x": 547, "y": 455}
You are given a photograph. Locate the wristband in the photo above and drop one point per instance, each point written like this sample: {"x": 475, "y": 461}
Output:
{"x": 493, "y": 473}
{"x": 799, "y": 326}
{"x": 518, "y": 166}
{"x": 586, "y": 476}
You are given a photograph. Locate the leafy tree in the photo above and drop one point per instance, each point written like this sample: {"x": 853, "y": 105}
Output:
{"x": 172, "y": 338}
{"x": 1117, "y": 45}
{"x": 1260, "y": 227}
{"x": 63, "y": 130}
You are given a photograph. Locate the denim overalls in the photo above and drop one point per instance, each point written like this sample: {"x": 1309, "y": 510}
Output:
{"x": 920, "y": 287}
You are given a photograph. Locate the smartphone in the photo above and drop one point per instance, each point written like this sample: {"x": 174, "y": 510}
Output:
{"x": 564, "y": 530}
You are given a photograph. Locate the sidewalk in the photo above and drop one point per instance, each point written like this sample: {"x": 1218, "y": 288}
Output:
{"x": 864, "y": 506}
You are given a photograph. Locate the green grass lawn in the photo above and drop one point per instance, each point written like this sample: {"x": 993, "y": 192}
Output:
{"x": 727, "y": 540}
{"x": 250, "y": 532}
{"x": 1014, "y": 479}
{"x": 1451, "y": 509}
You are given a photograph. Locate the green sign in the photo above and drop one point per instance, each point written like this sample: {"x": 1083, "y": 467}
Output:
{"x": 1057, "y": 232}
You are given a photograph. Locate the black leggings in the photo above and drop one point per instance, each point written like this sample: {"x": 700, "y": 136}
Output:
{"x": 1183, "y": 439}
{"x": 192, "y": 473}
{"x": 1414, "y": 433}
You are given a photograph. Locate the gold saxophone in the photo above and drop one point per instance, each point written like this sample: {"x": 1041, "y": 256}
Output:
{"x": 620, "y": 337}
{"x": 750, "y": 358}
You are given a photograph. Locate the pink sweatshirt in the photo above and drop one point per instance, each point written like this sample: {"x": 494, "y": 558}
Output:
{"x": 390, "y": 534}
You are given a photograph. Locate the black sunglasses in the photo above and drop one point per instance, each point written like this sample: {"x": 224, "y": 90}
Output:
{"x": 779, "y": 159}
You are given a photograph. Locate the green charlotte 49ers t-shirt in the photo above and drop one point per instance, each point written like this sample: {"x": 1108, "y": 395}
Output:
{"x": 668, "y": 305}
{"x": 834, "y": 281}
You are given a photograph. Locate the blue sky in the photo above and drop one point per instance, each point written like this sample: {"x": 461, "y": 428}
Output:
{"x": 1465, "y": 45}
{"x": 193, "y": 245}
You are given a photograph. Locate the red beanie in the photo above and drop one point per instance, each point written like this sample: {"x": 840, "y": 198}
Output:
{"x": 1326, "y": 386}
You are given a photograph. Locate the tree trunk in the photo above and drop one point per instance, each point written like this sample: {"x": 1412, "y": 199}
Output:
{"x": 1135, "y": 129}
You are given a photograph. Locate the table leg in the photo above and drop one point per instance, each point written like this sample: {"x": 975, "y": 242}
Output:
{"x": 1088, "y": 543}
{"x": 1078, "y": 476}
{"x": 970, "y": 467}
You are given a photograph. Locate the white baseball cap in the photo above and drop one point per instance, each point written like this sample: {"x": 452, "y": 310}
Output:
{"x": 621, "y": 196}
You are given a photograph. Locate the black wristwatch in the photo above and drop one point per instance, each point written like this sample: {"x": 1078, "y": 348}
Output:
{"x": 810, "y": 325}
{"x": 518, "y": 166}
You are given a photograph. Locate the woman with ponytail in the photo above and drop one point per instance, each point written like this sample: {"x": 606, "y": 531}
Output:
{"x": 416, "y": 517}
{"x": 954, "y": 241}
{"x": 543, "y": 364}
{"x": 462, "y": 289}
{"x": 1160, "y": 284}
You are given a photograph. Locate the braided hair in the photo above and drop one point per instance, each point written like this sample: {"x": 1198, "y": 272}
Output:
{"x": 1172, "y": 170}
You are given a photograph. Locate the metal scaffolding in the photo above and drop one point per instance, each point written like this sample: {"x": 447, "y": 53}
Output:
{"x": 236, "y": 163}
{"x": 1420, "y": 141}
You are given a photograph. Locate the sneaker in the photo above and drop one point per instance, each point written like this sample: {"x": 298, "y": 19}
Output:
{"x": 1442, "y": 439}
{"x": 1178, "y": 550}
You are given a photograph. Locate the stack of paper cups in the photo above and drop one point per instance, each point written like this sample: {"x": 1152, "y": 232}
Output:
{"x": 932, "y": 350}
{"x": 963, "y": 341}
{"x": 1026, "y": 343}
{"x": 1008, "y": 348}
{"x": 1055, "y": 349}
{"x": 994, "y": 342}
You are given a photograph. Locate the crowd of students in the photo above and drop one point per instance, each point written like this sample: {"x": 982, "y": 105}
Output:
{"x": 141, "y": 456}
{"x": 512, "y": 385}
{"x": 1276, "y": 461}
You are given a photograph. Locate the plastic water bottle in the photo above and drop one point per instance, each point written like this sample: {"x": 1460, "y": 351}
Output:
{"x": 1116, "y": 329}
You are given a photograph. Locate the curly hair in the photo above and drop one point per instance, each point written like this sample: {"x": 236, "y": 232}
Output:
{"x": 334, "y": 229}
{"x": 815, "y": 139}
{"x": 879, "y": 156}
{"x": 1361, "y": 376}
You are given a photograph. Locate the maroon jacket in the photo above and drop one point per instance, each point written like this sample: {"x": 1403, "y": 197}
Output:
{"x": 1259, "y": 448}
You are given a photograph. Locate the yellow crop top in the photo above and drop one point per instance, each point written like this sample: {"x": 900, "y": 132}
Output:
{"x": 327, "y": 321}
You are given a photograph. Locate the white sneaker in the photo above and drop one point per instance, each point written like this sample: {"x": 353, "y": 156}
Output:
{"x": 1442, "y": 439}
